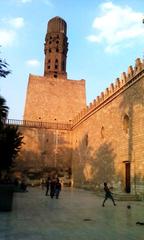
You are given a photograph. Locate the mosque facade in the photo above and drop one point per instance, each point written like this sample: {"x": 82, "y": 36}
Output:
{"x": 101, "y": 142}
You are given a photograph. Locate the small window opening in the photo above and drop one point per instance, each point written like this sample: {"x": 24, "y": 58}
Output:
{"x": 126, "y": 123}
{"x": 86, "y": 140}
{"x": 102, "y": 132}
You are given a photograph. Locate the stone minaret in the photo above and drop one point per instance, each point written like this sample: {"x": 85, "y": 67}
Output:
{"x": 56, "y": 47}
{"x": 53, "y": 97}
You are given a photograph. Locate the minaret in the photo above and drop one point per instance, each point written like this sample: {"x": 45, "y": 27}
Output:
{"x": 56, "y": 47}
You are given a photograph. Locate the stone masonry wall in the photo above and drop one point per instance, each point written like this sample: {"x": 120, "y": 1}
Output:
{"x": 110, "y": 133}
{"x": 54, "y": 99}
{"x": 104, "y": 137}
{"x": 44, "y": 150}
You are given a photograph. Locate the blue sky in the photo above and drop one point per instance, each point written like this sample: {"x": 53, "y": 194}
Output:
{"x": 105, "y": 37}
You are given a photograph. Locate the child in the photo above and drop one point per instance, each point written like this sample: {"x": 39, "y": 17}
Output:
{"x": 108, "y": 194}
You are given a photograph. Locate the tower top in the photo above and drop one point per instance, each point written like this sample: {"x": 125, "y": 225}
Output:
{"x": 57, "y": 25}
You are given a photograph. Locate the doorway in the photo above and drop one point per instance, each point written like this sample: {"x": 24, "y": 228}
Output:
{"x": 127, "y": 177}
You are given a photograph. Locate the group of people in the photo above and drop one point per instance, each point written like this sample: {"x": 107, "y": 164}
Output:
{"x": 20, "y": 185}
{"x": 53, "y": 187}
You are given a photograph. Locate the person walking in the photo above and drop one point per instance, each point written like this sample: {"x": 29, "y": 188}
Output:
{"x": 108, "y": 194}
{"x": 57, "y": 188}
{"x": 52, "y": 187}
{"x": 47, "y": 185}
{"x": 43, "y": 184}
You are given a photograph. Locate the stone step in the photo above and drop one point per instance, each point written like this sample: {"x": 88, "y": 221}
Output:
{"x": 126, "y": 197}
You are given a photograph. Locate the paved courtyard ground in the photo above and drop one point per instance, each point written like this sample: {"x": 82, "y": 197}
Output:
{"x": 76, "y": 215}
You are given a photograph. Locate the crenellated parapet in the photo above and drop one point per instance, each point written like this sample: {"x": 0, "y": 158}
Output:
{"x": 120, "y": 84}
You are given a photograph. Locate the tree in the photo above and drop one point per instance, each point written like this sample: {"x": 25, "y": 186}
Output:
{"x": 3, "y": 111}
{"x": 10, "y": 137}
{"x": 4, "y": 71}
{"x": 10, "y": 144}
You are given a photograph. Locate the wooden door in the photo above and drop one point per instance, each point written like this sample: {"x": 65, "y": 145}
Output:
{"x": 127, "y": 177}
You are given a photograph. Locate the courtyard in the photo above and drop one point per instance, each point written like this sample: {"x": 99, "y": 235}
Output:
{"x": 76, "y": 215}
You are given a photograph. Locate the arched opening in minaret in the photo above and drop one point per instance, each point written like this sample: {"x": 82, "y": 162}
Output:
{"x": 56, "y": 64}
{"x": 55, "y": 74}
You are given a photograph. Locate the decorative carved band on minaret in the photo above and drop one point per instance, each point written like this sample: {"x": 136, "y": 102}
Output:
{"x": 56, "y": 47}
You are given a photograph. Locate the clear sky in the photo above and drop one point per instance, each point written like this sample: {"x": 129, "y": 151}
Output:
{"x": 105, "y": 37}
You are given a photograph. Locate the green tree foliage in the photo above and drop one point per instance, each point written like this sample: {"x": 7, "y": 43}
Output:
{"x": 3, "y": 111}
{"x": 4, "y": 71}
{"x": 10, "y": 137}
{"x": 10, "y": 144}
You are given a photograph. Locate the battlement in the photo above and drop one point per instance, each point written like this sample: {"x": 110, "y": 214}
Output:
{"x": 123, "y": 82}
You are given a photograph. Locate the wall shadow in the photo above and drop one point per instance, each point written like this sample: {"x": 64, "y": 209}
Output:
{"x": 103, "y": 164}
{"x": 44, "y": 151}
{"x": 91, "y": 168}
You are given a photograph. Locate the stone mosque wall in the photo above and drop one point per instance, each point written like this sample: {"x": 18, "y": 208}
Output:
{"x": 45, "y": 150}
{"x": 108, "y": 135}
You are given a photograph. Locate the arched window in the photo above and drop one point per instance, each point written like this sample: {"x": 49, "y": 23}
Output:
{"x": 86, "y": 140}
{"x": 126, "y": 123}
{"x": 55, "y": 74}
{"x": 102, "y": 132}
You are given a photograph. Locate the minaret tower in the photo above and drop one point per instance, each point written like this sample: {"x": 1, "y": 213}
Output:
{"x": 56, "y": 47}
